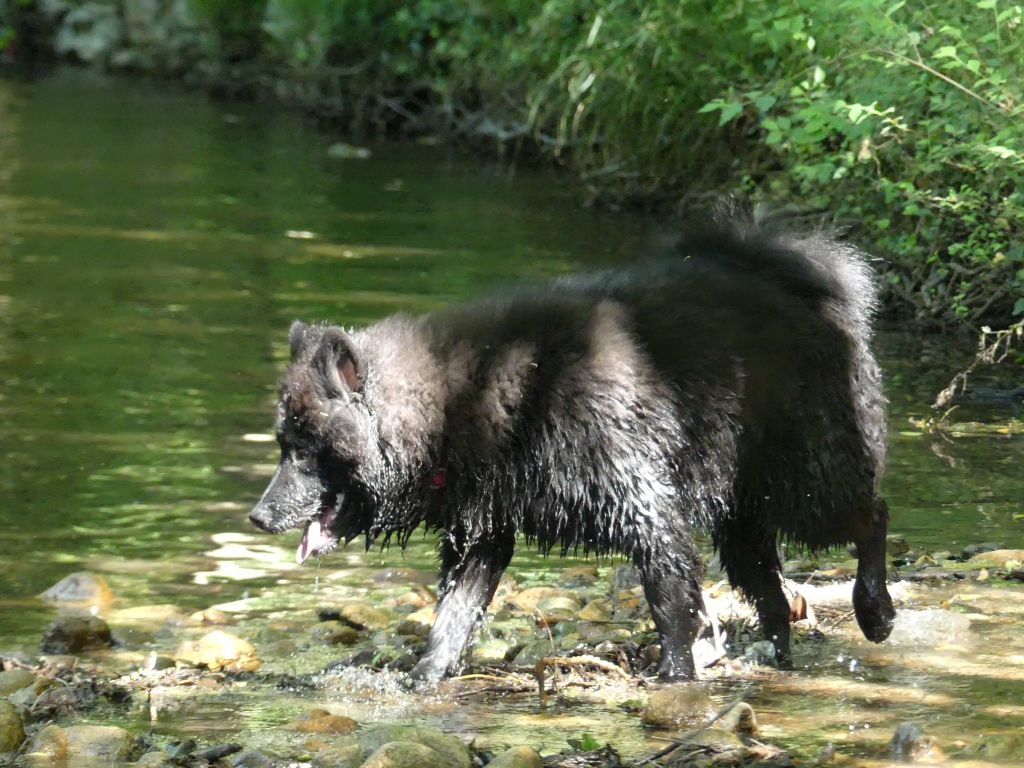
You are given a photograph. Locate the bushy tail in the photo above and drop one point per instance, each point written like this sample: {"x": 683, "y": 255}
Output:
{"x": 814, "y": 265}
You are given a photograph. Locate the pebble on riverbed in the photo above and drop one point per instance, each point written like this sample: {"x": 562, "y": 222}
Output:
{"x": 12, "y": 731}
{"x": 83, "y": 588}
{"x": 102, "y": 743}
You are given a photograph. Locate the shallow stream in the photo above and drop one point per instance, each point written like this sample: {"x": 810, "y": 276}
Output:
{"x": 154, "y": 247}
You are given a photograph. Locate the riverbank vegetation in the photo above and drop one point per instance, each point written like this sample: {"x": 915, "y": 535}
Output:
{"x": 902, "y": 121}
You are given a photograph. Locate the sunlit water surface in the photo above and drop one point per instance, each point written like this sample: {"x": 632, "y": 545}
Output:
{"x": 154, "y": 247}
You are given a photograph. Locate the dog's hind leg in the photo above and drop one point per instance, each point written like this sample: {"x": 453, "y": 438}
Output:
{"x": 750, "y": 555}
{"x": 871, "y": 601}
{"x": 469, "y": 576}
{"x": 671, "y": 581}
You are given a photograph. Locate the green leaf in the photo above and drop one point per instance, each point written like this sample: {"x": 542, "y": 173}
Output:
{"x": 729, "y": 111}
{"x": 764, "y": 102}
{"x": 946, "y": 52}
{"x": 1018, "y": 307}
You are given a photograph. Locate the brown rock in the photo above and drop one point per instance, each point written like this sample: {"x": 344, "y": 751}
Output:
{"x": 677, "y": 706}
{"x": 741, "y": 719}
{"x": 81, "y": 587}
{"x": 363, "y": 616}
{"x": 218, "y": 650}
{"x": 73, "y": 634}
{"x": 14, "y": 680}
{"x": 517, "y": 757}
{"x": 106, "y": 743}
{"x": 322, "y": 721}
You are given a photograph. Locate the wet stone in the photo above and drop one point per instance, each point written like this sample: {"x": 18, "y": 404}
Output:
{"x": 596, "y": 610}
{"x": 154, "y": 760}
{"x": 410, "y": 627}
{"x": 328, "y": 635}
{"x": 677, "y": 706}
{"x": 896, "y": 545}
{"x": 625, "y": 577}
{"x": 998, "y": 558}
{"x": 578, "y": 576}
{"x": 517, "y": 757}
{"x": 1004, "y": 747}
{"x": 404, "y": 754}
{"x": 81, "y": 587}
{"x": 450, "y": 749}
{"x": 718, "y": 739}
{"x": 12, "y": 731}
{"x": 492, "y": 651}
{"x": 363, "y": 616}
{"x": 73, "y": 634}
{"x": 213, "y": 616}
{"x": 105, "y": 743}
{"x": 910, "y": 744}
{"x": 529, "y": 599}
{"x": 218, "y": 650}
{"x": 741, "y": 719}
{"x": 322, "y": 721}
{"x": 14, "y": 680}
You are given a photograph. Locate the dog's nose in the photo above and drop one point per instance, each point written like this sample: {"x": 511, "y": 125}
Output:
{"x": 260, "y": 516}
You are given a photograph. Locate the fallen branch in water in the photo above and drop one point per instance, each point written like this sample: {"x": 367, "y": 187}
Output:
{"x": 573, "y": 661}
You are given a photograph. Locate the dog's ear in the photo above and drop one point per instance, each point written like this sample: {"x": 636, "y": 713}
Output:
{"x": 338, "y": 362}
{"x": 297, "y": 338}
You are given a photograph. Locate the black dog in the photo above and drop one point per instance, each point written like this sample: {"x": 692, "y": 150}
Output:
{"x": 729, "y": 387}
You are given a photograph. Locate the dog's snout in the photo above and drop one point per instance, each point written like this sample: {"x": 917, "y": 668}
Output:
{"x": 260, "y": 516}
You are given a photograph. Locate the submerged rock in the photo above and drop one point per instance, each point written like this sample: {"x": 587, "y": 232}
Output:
{"x": 676, "y": 706}
{"x": 405, "y": 754}
{"x": 451, "y": 750}
{"x": 761, "y": 653}
{"x": 218, "y": 650}
{"x": 1006, "y": 747}
{"x": 363, "y": 616}
{"x": 73, "y": 634}
{"x": 741, "y": 719}
{"x": 343, "y": 151}
{"x": 343, "y": 635}
{"x": 80, "y": 587}
{"x": 14, "y": 680}
{"x": 103, "y": 743}
{"x": 518, "y": 757}
{"x": 322, "y": 721}
{"x": 12, "y": 730}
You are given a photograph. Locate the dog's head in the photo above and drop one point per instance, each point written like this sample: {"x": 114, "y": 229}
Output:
{"x": 329, "y": 446}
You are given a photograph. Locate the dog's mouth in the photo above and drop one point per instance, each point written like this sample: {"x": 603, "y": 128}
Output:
{"x": 317, "y": 537}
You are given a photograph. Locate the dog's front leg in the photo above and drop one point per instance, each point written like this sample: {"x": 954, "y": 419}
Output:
{"x": 469, "y": 576}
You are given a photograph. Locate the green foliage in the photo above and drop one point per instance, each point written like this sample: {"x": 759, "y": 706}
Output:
{"x": 905, "y": 120}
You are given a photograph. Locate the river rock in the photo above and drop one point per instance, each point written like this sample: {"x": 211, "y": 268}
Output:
{"x": 997, "y": 558}
{"x": 80, "y": 587}
{"x": 625, "y": 577}
{"x": 344, "y": 755}
{"x": 517, "y": 757}
{"x": 73, "y": 634}
{"x": 322, "y": 721}
{"x": 102, "y": 743}
{"x": 405, "y": 754}
{"x": 718, "y": 739}
{"x": 154, "y": 760}
{"x": 741, "y": 719}
{"x": 596, "y": 610}
{"x": 12, "y": 731}
{"x": 1003, "y": 747}
{"x": 363, "y": 616}
{"x": 896, "y": 545}
{"x": 676, "y": 706}
{"x": 532, "y": 653}
{"x": 14, "y": 680}
{"x": 491, "y": 651}
{"x": 451, "y": 750}
{"x": 218, "y": 650}
{"x": 578, "y": 576}
{"x": 342, "y": 635}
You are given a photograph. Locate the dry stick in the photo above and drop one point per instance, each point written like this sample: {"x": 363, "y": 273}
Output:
{"x": 682, "y": 740}
{"x": 572, "y": 661}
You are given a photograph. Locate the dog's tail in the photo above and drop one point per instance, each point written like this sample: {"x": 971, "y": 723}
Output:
{"x": 815, "y": 265}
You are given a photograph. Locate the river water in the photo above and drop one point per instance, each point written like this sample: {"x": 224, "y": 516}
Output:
{"x": 154, "y": 247}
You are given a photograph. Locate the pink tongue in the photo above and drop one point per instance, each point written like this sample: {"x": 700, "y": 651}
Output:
{"x": 313, "y": 538}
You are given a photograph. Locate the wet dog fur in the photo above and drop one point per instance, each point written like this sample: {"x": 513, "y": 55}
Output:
{"x": 730, "y": 387}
